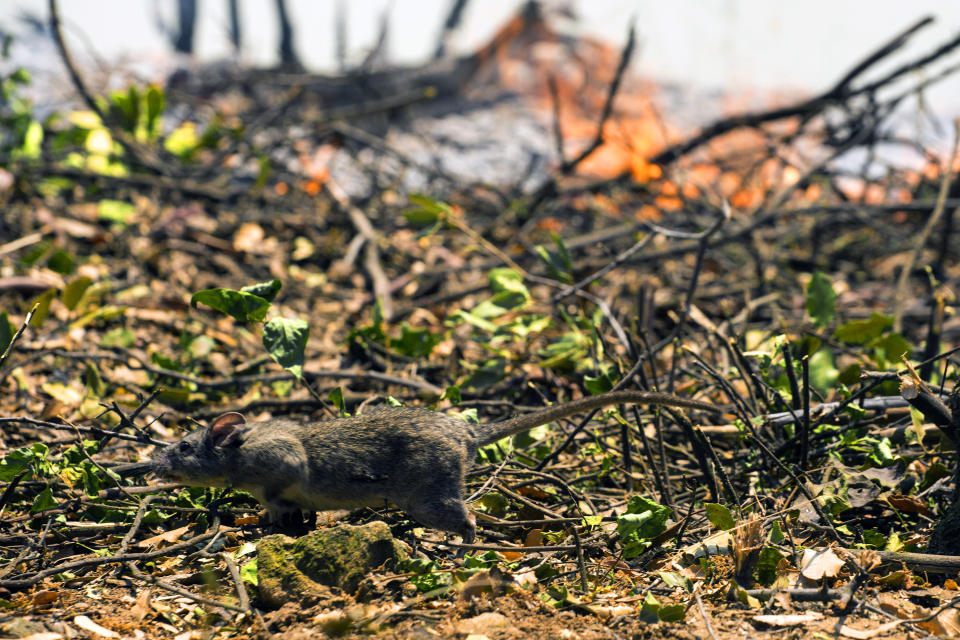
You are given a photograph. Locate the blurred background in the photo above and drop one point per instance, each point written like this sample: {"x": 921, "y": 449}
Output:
{"x": 728, "y": 44}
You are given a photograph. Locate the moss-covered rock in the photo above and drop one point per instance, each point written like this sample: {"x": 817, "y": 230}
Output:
{"x": 303, "y": 569}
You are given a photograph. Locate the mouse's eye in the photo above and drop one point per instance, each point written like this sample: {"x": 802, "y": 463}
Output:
{"x": 183, "y": 447}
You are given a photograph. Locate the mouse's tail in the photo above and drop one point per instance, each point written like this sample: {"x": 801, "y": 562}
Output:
{"x": 493, "y": 431}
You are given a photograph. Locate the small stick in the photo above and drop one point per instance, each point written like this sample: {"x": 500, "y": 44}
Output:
{"x": 704, "y": 615}
{"x": 581, "y": 563}
{"x": 16, "y": 336}
{"x": 805, "y": 436}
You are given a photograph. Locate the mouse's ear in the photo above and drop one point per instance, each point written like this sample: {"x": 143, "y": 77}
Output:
{"x": 226, "y": 429}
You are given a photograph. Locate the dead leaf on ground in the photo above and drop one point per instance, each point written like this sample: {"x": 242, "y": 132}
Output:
{"x": 87, "y": 624}
{"x": 168, "y": 537}
{"x": 788, "y": 619}
{"x": 820, "y": 563}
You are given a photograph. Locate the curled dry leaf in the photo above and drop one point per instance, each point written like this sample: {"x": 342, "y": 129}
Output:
{"x": 788, "y": 619}
{"x": 167, "y": 537}
{"x": 820, "y": 563}
{"x": 865, "y": 634}
{"x": 87, "y": 624}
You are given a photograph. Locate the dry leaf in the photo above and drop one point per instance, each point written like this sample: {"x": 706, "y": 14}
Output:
{"x": 946, "y": 624}
{"x": 168, "y": 537}
{"x": 483, "y": 622}
{"x": 487, "y": 581}
{"x": 820, "y": 563}
{"x": 864, "y": 634}
{"x": 788, "y": 619}
{"x": 908, "y": 504}
{"x": 605, "y": 612}
{"x": 43, "y": 635}
{"x": 45, "y": 597}
{"x": 87, "y": 624}
{"x": 248, "y": 238}
{"x": 141, "y": 609}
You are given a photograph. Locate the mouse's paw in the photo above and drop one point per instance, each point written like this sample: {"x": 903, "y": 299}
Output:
{"x": 289, "y": 519}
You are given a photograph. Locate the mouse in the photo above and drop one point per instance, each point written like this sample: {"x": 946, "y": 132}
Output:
{"x": 412, "y": 457}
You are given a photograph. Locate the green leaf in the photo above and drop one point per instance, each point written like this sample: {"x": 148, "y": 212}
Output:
{"x": 767, "y": 564}
{"x": 598, "y": 385}
{"x": 32, "y": 140}
{"x": 61, "y": 262}
{"x": 890, "y": 348}
{"x": 863, "y": 331}
{"x": 183, "y": 140}
{"x": 156, "y": 102}
{"x": 416, "y": 343}
{"x": 644, "y": 520}
{"x": 426, "y": 211}
{"x": 74, "y": 291}
{"x": 452, "y": 393}
{"x": 821, "y": 299}
{"x": 7, "y": 332}
{"x": 165, "y": 362}
{"x": 34, "y": 255}
{"x": 558, "y": 262}
{"x": 719, "y": 516}
{"x": 242, "y": 306}
{"x": 336, "y": 397}
{"x": 509, "y": 292}
{"x": 115, "y": 211}
{"x": 823, "y": 374}
{"x": 488, "y": 373}
{"x": 105, "y": 313}
{"x": 286, "y": 340}
{"x": 93, "y": 381}
{"x": 248, "y": 572}
{"x": 672, "y": 612}
{"x": 43, "y": 501}
{"x": 21, "y": 459}
{"x": 776, "y": 533}
{"x": 650, "y": 609}
{"x": 266, "y": 290}
{"x": 118, "y": 337}
{"x": 43, "y": 307}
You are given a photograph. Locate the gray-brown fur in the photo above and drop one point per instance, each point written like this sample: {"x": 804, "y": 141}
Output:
{"x": 414, "y": 458}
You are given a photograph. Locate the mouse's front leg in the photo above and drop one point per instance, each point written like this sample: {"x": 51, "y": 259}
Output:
{"x": 284, "y": 515}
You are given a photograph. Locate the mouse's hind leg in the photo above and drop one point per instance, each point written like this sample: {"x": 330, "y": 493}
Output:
{"x": 443, "y": 508}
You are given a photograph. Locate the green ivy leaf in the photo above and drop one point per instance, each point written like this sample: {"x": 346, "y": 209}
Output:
{"x": 248, "y": 572}
{"x": 416, "y": 343}
{"x": 266, "y": 290}
{"x": 43, "y": 307}
{"x": 643, "y": 521}
{"x": 61, "y": 262}
{"x": 767, "y": 564}
{"x": 863, "y": 331}
{"x": 118, "y": 337}
{"x": 719, "y": 516}
{"x": 286, "y": 340}
{"x": 452, "y": 393}
{"x": 821, "y": 299}
{"x": 115, "y": 211}
{"x": 336, "y": 397}
{"x": 7, "y": 331}
{"x": 43, "y": 501}
{"x": 241, "y": 306}
{"x": 20, "y": 459}
{"x": 598, "y": 385}
{"x": 74, "y": 291}
{"x": 672, "y": 612}
{"x": 156, "y": 102}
